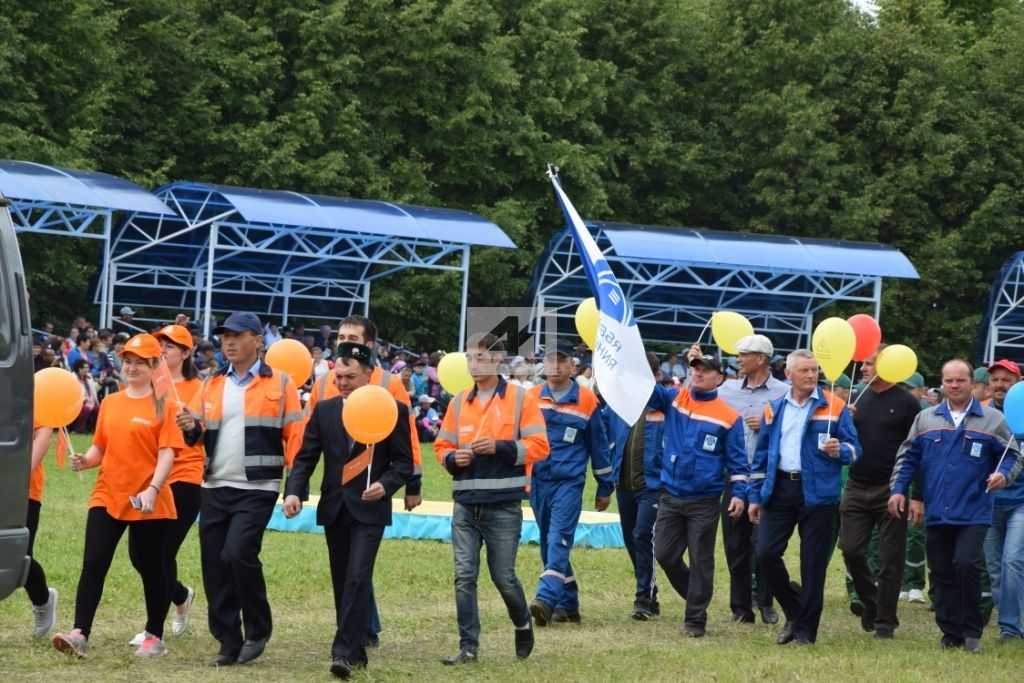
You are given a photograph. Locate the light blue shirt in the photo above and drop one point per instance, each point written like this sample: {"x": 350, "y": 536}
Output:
{"x": 243, "y": 380}
{"x": 794, "y": 418}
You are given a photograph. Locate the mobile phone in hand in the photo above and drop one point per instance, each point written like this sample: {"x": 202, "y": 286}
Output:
{"x": 136, "y": 502}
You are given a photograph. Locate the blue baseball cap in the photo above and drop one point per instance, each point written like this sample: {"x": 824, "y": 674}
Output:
{"x": 240, "y": 322}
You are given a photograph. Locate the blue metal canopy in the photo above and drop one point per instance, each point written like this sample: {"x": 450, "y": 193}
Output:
{"x": 38, "y": 184}
{"x": 675, "y": 278}
{"x": 283, "y": 253}
{"x": 1001, "y": 333}
{"x": 62, "y": 201}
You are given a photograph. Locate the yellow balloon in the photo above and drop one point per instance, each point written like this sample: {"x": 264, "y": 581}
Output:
{"x": 833, "y": 344}
{"x": 727, "y": 328}
{"x": 453, "y": 373}
{"x": 896, "y": 363}
{"x": 587, "y": 319}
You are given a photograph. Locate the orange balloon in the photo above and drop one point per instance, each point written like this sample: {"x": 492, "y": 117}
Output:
{"x": 292, "y": 357}
{"x": 370, "y": 414}
{"x": 58, "y": 397}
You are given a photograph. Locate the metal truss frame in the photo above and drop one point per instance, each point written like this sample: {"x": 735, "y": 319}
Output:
{"x": 673, "y": 299}
{"x": 1002, "y": 328}
{"x": 210, "y": 235}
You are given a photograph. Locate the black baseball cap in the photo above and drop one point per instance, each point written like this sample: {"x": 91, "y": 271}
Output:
{"x": 710, "y": 362}
{"x": 562, "y": 347}
{"x": 240, "y": 322}
{"x": 358, "y": 352}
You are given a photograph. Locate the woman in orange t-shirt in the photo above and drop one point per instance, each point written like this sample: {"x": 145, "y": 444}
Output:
{"x": 186, "y": 476}
{"x": 44, "y": 598}
{"x": 134, "y": 445}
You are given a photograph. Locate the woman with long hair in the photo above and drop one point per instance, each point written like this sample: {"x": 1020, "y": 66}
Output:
{"x": 134, "y": 446}
{"x": 186, "y": 477}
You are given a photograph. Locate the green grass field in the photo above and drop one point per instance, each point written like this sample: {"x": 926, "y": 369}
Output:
{"x": 415, "y": 595}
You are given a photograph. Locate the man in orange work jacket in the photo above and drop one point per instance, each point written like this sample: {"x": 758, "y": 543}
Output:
{"x": 490, "y": 437}
{"x": 249, "y": 419}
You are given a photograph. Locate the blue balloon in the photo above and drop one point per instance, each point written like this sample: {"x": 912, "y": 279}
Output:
{"x": 1013, "y": 408}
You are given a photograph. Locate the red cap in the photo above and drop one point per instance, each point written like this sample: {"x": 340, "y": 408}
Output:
{"x": 143, "y": 346}
{"x": 177, "y": 334}
{"x": 1007, "y": 365}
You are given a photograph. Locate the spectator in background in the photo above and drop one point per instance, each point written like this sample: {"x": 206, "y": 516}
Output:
{"x": 82, "y": 351}
{"x": 915, "y": 385}
{"x": 419, "y": 376}
{"x": 981, "y": 391}
{"x": 127, "y": 315}
{"x": 85, "y": 423}
{"x": 671, "y": 367}
{"x": 320, "y": 366}
{"x": 38, "y": 361}
{"x": 271, "y": 335}
{"x": 322, "y": 340}
{"x": 582, "y": 354}
{"x": 406, "y": 376}
{"x": 427, "y": 419}
{"x": 47, "y": 332}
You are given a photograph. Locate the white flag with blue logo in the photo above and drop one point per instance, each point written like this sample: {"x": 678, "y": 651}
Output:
{"x": 621, "y": 370}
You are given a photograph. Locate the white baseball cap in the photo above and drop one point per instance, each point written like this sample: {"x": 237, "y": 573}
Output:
{"x": 755, "y": 343}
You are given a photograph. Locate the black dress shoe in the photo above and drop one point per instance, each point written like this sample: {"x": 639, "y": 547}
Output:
{"x": 769, "y": 615}
{"x": 883, "y": 633}
{"x": 541, "y": 611}
{"x": 223, "y": 660}
{"x": 372, "y": 640}
{"x": 251, "y": 649}
{"x": 950, "y": 643}
{"x": 524, "y": 642}
{"x": 742, "y": 617}
{"x": 802, "y": 640}
{"x": 786, "y": 634}
{"x": 972, "y": 645}
{"x": 565, "y": 616}
{"x": 857, "y": 607}
{"x": 867, "y": 620}
{"x": 463, "y": 656}
{"x": 341, "y": 667}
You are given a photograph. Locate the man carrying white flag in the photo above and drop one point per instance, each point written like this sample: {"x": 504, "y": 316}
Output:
{"x": 621, "y": 370}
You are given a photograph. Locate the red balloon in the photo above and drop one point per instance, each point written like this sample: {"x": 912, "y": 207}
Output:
{"x": 868, "y": 334}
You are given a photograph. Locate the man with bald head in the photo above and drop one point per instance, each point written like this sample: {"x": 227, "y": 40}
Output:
{"x": 960, "y": 451}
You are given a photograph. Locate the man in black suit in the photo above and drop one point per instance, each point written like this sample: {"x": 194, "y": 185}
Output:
{"x": 352, "y": 514}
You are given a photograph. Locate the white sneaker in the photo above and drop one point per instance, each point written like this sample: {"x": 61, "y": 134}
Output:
{"x": 139, "y": 639}
{"x": 180, "y": 620}
{"x": 917, "y": 595}
{"x": 904, "y": 596}
{"x": 45, "y": 615}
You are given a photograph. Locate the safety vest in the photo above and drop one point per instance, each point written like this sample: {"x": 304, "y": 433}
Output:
{"x": 513, "y": 419}
{"x": 273, "y": 421}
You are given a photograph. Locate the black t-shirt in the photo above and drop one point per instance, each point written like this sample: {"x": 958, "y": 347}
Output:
{"x": 883, "y": 422}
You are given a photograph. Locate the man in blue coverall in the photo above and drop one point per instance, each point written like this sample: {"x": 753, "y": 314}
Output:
{"x": 577, "y": 434}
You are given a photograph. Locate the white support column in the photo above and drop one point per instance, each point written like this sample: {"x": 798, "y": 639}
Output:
{"x": 366, "y": 298}
{"x": 106, "y": 300}
{"x": 465, "y": 295}
{"x": 209, "y": 280}
{"x": 111, "y": 283}
{"x": 286, "y": 295}
{"x": 197, "y": 308}
{"x": 538, "y": 335}
{"x": 878, "y": 300}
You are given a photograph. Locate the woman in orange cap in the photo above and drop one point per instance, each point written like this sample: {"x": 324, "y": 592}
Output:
{"x": 134, "y": 445}
{"x": 186, "y": 476}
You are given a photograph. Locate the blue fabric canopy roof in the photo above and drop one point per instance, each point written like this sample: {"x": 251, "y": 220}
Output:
{"x": 675, "y": 278}
{"x": 28, "y": 181}
{"x": 363, "y": 216}
{"x": 1001, "y": 331}
{"x": 757, "y": 252}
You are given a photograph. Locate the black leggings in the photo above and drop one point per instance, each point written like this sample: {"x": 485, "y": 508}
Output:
{"x": 145, "y": 548}
{"x": 35, "y": 585}
{"x": 186, "y": 500}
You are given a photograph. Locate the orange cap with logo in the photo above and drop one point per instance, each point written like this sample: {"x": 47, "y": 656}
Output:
{"x": 177, "y": 334}
{"x": 143, "y": 346}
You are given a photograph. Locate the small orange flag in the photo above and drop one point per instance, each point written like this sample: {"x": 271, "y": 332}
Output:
{"x": 356, "y": 465}
{"x": 62, "y": 449}
{"x": 162, "y": 382}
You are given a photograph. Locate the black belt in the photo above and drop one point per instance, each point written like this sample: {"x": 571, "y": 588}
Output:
{"x": 791, "y": 476}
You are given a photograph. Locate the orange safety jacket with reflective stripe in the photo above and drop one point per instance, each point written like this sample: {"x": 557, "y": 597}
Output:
{"x": 325, "y": 388}
{"x": 513, "y": 419}
{"x": 273, "y": 421}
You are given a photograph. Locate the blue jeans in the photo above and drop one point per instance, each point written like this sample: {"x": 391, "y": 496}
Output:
{"x": 1004, "y": 554}
{"x": 498, "y": 526}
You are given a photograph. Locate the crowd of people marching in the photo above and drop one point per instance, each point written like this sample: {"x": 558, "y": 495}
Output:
{"x": 908, "y": 481}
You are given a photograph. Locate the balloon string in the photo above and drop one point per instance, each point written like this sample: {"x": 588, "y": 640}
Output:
{"x": 828, "y": 425}
{"x": 700, "y": 337}
{"x": 863, "y": 391}
{"x": 71, "y": 448}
